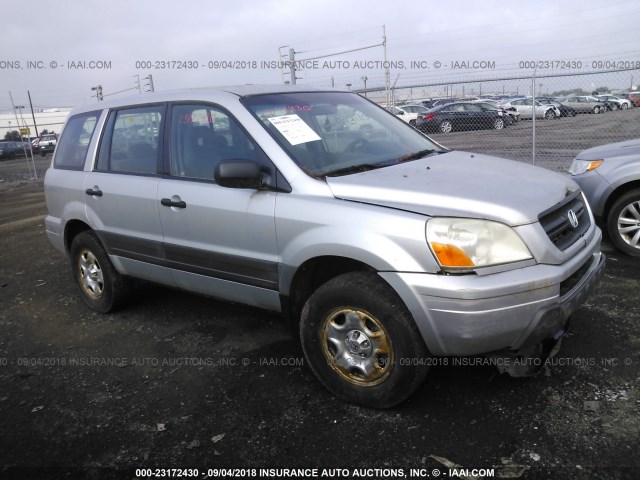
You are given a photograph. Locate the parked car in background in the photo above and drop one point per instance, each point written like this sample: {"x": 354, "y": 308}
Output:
{"x": 620, "y": 103}
{"x": 525, "y": 108}
{"x": 585, "y": 104}
{"x": 13, "y": 149}
{"x": 47, "y": 143}
{"x": 634, "y": 97}
{"x": 563, "y": 110}
{"x": 408, "y": 113}
{"x": 435, "y": 102}
{"x": 609, "y": 176}
{"x": 510, "y": 114}
{"x": 460, "y": 116}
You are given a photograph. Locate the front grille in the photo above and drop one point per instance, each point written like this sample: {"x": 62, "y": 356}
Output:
{"x": 556, "y": 221}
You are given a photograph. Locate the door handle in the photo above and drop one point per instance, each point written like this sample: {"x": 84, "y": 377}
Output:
{"x": 167, "y": 202}
{"x": 94, "y": 193}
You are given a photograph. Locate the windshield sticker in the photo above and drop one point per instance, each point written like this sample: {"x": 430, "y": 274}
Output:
{"x": 293, "y": 128}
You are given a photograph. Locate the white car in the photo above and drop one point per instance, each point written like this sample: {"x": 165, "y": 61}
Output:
{"x": 525, "y": 108}
{"x": 622, "y": 103}
{"x": 408, "y": 113}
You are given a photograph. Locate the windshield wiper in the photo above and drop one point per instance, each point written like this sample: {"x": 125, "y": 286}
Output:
{"x": 362, "y": 167}
{"x": 417, "y": 155}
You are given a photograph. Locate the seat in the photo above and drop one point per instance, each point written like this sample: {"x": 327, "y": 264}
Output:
{"x": 200, "y": 154}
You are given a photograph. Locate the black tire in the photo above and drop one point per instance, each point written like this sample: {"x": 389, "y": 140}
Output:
{"x": 445, "y": 126}
{"x": 412, "y": 123}
{"x": 625, "y": 214}
{"x": 549, "y": 114}
{"x": 102, "y": 288}
{"x": 624, "y": 106}
{"x": 380, "y": 343}
{"x": 498, "y": 124}
{"x": 596, "y": 110}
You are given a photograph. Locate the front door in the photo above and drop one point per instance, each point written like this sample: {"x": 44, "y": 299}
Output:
{"x": 217, "y": 241}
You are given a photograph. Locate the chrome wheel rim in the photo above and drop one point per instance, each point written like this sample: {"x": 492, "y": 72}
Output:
{"x": 629, "y": 224}
{"x": 445, "y": 127}
{"x": 498, "y": 124}
{"x": 91, "y": 277}
{"x": 357, "y": 346}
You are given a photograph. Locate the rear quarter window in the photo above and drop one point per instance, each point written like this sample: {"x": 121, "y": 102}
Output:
{"x": 74, "y": 142}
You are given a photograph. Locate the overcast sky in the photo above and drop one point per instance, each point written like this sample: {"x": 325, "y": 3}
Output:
{"x": 56, "y": 38}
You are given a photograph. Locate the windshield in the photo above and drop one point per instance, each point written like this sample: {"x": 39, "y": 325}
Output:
{"x": 336, "y": 133}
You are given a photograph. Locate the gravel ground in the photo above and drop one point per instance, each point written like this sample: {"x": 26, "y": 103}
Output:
{"x": 181, "y": 381}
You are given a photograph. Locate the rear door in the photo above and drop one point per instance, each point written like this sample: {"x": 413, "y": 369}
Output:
{"x": 121, "y": 191}
{"x": 218, "y": 241}
{"x": 456, "y": 114}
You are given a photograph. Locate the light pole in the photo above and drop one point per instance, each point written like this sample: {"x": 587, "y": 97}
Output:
{"x": 364, "y": 79}
{"x": 348, "y": 86}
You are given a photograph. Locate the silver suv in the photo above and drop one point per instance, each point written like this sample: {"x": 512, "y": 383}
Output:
{"x": 383, "y": 247}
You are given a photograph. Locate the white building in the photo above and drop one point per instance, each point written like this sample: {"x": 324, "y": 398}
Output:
{"x": 50, "y": 119}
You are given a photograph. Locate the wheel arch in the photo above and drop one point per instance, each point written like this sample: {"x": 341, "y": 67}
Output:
{"x": 71, "y": 231}
{"x": 313, "y": 273}
{"x": 616, "y": 194}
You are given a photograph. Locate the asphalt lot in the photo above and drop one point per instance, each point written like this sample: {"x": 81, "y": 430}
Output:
{"x": 182, "y": 381}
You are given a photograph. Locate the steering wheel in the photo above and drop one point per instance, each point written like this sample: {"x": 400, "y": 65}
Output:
{"x": 357, "y": 144}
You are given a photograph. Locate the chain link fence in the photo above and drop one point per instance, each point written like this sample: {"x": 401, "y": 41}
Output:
{"x": 552, "y": 137}
{"x": 548, "y": 140}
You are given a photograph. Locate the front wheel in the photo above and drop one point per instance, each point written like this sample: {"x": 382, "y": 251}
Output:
{"x": 596, "y": 109}
{"x": 549, "y": 114}
{"x": 623, "y": 223}
{"x": 624, "y": 106}
{"x": 101, "y": 286}
{"x": 498, "y": 124}
{"x": 361, "y": 341}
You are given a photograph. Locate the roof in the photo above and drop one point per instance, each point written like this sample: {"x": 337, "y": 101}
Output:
{"x": 200, "y": 94}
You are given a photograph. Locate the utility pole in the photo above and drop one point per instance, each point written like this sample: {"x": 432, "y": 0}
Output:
{"x": 292, "y": 66}
{"x": 387, "y": 79}
{"x": 138, "y": 83}
{"x": 364, "y": 79}
{"x": 32, "y": 114}
{"x": 35, "y": 174}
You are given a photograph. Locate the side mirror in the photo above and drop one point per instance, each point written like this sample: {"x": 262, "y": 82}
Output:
{"x": 239, "y": 174}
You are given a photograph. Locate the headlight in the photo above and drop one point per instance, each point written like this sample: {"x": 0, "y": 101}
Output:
{"x": 581, "y": 166}
{"x": 461, "y": 244}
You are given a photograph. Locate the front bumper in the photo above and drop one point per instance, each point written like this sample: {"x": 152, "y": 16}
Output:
{"x": 472, "y": 314}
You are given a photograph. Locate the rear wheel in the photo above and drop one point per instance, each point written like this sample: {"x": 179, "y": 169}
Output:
{"x": 446, "y": 126}
{"x": 623, "y": 223}
{"x": 596, "y": 109}
{"x": 361, "y": 341}
{"x": 101, "y": 286}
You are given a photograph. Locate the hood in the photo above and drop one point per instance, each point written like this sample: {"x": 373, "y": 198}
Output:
{"x": 459, "y": 184}
{"x": 612, "y": 150}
